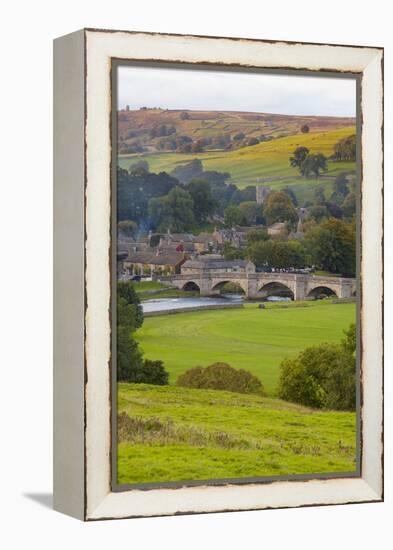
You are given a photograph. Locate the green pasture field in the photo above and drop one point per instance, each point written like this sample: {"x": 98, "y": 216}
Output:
{"x": 267, "y": 161}
{"x": 175, "y": 434}
{"x": 250, "y": 338}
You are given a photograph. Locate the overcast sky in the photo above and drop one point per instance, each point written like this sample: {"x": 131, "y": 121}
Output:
{"x": 234, "y": 91}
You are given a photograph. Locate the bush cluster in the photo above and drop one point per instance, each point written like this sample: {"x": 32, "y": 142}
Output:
{"x": 323, "y": 377}
{"x": 221, "y": 376}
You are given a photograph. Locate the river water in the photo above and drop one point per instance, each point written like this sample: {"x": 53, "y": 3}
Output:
{"x": 165, "y": 304}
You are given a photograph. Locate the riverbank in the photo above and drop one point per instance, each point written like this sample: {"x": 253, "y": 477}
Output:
{"x": 191, "y": 309}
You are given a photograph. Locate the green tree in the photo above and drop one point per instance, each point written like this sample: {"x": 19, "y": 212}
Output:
{"x": 252, "y": 212}
{"x": 340, "y": 185}
{"x": 136, "y": 189}
{"x": 340, "y": 189}
{"x": 291, "y": 194}
{"x": 230, "y": 252}
{"x": 349, "y": 342}
{"x": 332, "y": 245}
{"x": 313, "y": 165}
{"x": 126, "y": 296}
{"x": 349, "y": 206}
{"x": 278, "y": 207}
{"x": 277, "y": 254}
{"x": 175, "y": 211}
{"x": 345, "y": 149}
{"x": 129, "y": 356}
{"x": 299, "y": 156}
{"x": 318, "y": 213}
{"x": 204, "y": 203}
{"x": 319, "y": 196}
{"x": 128, "y": 228}
{"x": 233, "y": 216}
{"x": 131, "y": 366}
{"x": 323, "y": 376}
{"x": 152, "y": 372}
{"x": 186, "y": 172}
{"x": 308, "y": 164}
{"x": 257, "y": 235}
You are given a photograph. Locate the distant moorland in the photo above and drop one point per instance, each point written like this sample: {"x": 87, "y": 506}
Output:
{"x": 259, "y": 155}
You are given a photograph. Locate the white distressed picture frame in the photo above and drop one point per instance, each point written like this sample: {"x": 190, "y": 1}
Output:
{"x": 82, "y": 249}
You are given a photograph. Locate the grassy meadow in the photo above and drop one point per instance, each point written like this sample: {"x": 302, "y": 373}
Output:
{"x": 174, "y": 434}
{"x": 250, "y": 338}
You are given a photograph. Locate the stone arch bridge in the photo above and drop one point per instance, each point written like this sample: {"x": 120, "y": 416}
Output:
{"x": 260, "y": 285}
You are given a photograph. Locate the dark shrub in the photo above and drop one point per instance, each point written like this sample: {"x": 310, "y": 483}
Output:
{"x": 323, "y": 376}
{"x": 221, "y": 376}
{"x": 152, "y": 372}
{"x": 125, "y": 290}
{"x": 129, "y": 356}
{"x": 253, "y": 141}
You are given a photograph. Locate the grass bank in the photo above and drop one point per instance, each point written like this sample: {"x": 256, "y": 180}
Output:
{"x": 172, "y": 434}
{"x": 151, "y": 290}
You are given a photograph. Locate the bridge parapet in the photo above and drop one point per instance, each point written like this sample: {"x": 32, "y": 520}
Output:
{"x": 301, "y": 285}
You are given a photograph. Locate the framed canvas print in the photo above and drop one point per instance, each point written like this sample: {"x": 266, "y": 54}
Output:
{"x": 218, "y": 274}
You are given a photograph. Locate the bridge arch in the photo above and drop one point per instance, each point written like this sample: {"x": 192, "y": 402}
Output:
{"x": 321, "y": 291}
{"x": 237, "y": 286}
{"x": 191, "y": 286}
{"x": 276, "y": 288}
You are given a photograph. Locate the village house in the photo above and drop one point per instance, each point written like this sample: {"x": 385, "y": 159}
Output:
{"x": 236, "y": 236}
{"x": 193, "y": 244}
{"x": 121, "y": 256}
{"x": 133, "y": 245}
{"x": 278, "y": 230}
{"x": 153, "y": 262}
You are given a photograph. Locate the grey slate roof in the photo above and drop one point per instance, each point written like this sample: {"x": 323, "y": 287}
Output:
{"x": 151, "y": 258}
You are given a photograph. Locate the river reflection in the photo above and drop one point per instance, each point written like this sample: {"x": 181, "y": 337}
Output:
{"x": 167, "y": 304}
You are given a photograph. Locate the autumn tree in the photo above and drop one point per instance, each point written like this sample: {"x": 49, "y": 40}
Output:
{"x": 278, "y": 207}
{"x": 345, "y": 149}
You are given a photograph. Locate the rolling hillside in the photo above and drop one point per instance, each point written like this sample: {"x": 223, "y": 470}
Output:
{"x": 264, "y": 163}
{"x": 171, "y": 433}
{"x": 137, "y": 125}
